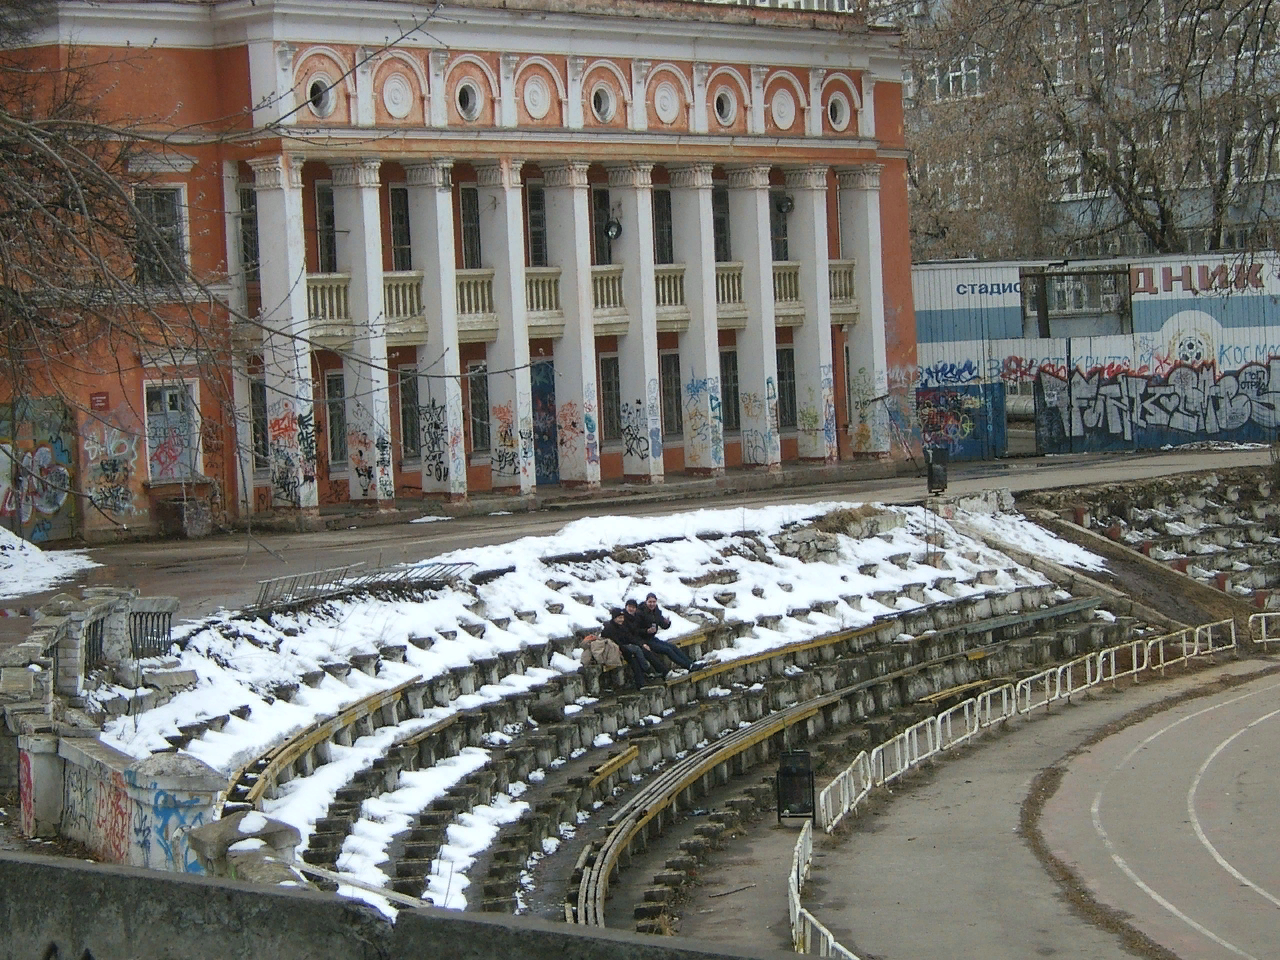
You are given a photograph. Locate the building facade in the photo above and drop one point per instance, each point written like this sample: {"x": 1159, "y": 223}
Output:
{"x": 500, "y": 245}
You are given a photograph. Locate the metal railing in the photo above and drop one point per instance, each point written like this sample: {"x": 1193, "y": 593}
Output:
{"x": 1260, "y": 626}
{"x": 149, "y": 632}
{"x": 966, "y": 720}
{"x": 95, "y": 639}
{"x": 806, "y": 930}
{"x": 300, "y": 589}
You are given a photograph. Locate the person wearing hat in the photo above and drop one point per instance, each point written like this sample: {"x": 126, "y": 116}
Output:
{"x": 623, "y": 634}
{"x": 645, "y": 622}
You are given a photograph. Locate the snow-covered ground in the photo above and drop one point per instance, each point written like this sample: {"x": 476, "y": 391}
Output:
{"x": 26, "y": 569}
{"x": 242, "y": 661}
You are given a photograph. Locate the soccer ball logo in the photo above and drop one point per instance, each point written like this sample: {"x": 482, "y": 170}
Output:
{"x": 1190, "y": 350}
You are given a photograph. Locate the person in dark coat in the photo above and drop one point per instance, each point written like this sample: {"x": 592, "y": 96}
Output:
{"x": 629, "y": 642}
{"x": 646, "y": 621}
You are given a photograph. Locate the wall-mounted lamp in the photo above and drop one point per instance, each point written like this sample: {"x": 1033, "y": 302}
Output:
{"x": 612, "y": 229}
{"x": 785, "y": 204}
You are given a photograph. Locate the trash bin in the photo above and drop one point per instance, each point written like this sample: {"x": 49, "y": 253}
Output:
{"x": 795, "y": 785}
{"x": 935, "y": 459}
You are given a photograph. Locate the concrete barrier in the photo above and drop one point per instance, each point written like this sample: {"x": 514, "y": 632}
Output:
{"x": 63, "y": 908}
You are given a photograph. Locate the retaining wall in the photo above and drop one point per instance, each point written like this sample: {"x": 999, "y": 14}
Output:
{"x": 59, "y": 908}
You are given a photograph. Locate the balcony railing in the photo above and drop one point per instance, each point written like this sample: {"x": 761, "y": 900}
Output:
{"x": 786, "y": 282}
{"x": 668, "y": 281}
{"x": 328, "y": 297}
{"x": 475, "y": 293}
{"x": 729, "y": 284}
{"x": 542, "y": 290}
{"x": 842, "y": 281}
{"x": 402, "y": 294}
{"x": 606, "y": 290}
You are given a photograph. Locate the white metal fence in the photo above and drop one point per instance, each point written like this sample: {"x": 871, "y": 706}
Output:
{"x": 1262, "y": 625}
{"x": 960, "y": 724}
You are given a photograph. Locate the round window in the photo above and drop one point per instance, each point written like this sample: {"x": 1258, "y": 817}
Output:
{"x": 468, "y": 100}
{"x": 726, "y": 107}
{"x": 838, "y": 111}
{"x": 602, "y": 103}
{"x": 320, "y": 95}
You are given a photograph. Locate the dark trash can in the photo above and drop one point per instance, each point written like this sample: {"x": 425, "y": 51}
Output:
{"x": 795, "y": 785}
{"x": 935, "y": 459}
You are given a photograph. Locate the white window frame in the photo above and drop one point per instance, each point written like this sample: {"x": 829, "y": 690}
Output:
{"x": 192, "y": 386}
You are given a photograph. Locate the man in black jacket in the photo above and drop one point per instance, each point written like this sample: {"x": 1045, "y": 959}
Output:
{"x": 629, "y": 642}
{"x": 646, "y": 621}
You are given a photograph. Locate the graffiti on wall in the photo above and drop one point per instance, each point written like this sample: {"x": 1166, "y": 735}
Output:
{"x": 37, "y": 471}
{"x": 635, "y": 431}
{"x": 968, "y": 421}
{"x": 703, "y": 423}
{"x": 1107, "y": 411}
{"x": 26, "y": 799}
{"x": 292, "y": 448}
{"x": 110, "y": 465}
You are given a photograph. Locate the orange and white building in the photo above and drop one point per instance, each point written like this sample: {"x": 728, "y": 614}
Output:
{"x": 498, "y": 244}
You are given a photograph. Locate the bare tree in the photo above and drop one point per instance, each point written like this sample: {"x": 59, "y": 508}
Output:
{"x": 1095, "y": 126}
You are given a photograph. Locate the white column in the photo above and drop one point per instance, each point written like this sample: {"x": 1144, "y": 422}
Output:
{"x": 815, "y": 384}
{"x": 859, "y": 193}
{"x": 242, "y": 402}
{"x": 694, "y": 241}
{"x": 510, "y": 398}
{"x": 569, "y": 243}
{"x": 286, "y": 354}
{"x": 631, "y": 189}
{"x": 440, "y": 418}
{"x": 574, "y": 93}
{"x": 371, "y": 474}
{"x": 757, "y": 344}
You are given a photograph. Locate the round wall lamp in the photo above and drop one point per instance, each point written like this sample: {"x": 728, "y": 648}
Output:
{"x": 613, "y": 229}
{"x": 785, "y": 204}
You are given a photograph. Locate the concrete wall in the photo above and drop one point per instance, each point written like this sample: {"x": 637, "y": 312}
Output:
{"x": 121, "y": 913}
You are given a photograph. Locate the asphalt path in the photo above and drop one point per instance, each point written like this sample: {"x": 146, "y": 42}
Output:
{"x": 224, "y": 571}
{"x": 1173, "y": 822}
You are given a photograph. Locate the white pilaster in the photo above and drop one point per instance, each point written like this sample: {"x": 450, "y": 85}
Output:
{"x": 639, "y": 95}
{"x": 371, "y": 472}
{"x": 815, "y": 385}
{"x": 867, "y": 114}
{"x": 694, "y": 241}
{"x": 364, "y": 87}
{"x": 700, "y": 73}
{"x": 507, "y": 113}
{"x": 755, "y": 119}
{"x": 440, "y": 416}
{"x": 573, "y": 93}
{"x": 438, "y": 112}
{"x": 569, "y": 243}
{"x": 631, "y": 188}
{"x": 813, "y": 112}
{"x": 286, "y": 354}
{"x": 757, "y": 344}
{"x": 242, "y": 402}
{"x": 510, "y": 398}
{"x": 271, "y": 82}
{"x": 860, "y": 240}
